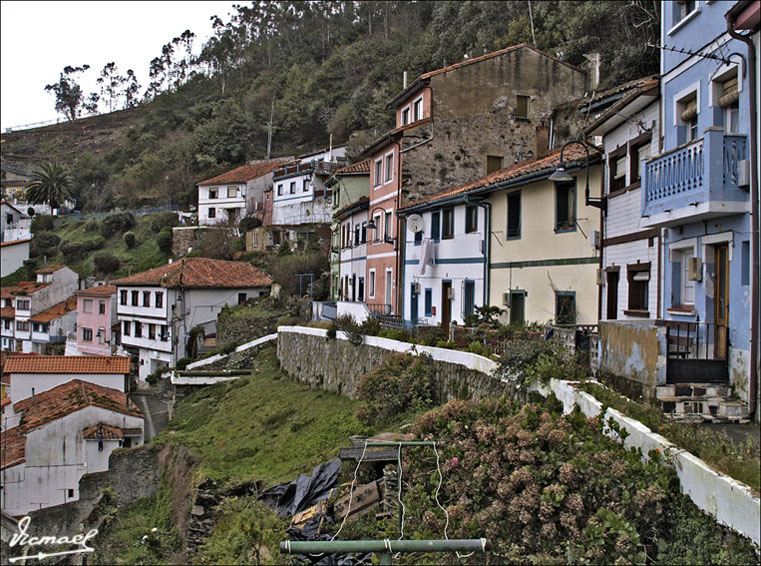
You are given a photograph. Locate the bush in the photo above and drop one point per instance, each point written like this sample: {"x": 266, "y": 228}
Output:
{"x": 44, "y": 243}
{"x": 105, "y": 262}
{"x": 130, "y": 240}
{"x": 353, "y": 330}
{"x": 331, "y": 334}
{"x": 396, "y": 334}
{"x": 42, "y": 223}
{"x": 76, "y": 251}
{"x": 182, "y": 363}
{"x": 431, "y": 335}
{"x": 403, "y": 383}
{"x": 164, "y": 240}
{"x": 285, "y": 267}
{"x": 162, "y": 220}
{"x": 115, "y": 223}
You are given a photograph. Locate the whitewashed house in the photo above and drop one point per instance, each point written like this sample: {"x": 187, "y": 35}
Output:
{"x": 235, "y": 194}
{"x": 630, "y": 250}
{"x": 7, "y": 320}
{"x": 65, "y": 432}
{"x": 352, "y": 220}
{"x": 14, "y": 223}
{"x": 53, "y": 325}
{"x": 157, "y": 309}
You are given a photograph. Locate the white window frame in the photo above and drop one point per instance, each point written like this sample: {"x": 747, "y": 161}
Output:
{"x": 87, "y": 306}
{"x": 408, "y": 110}
{"x": 378, "y": 173}
{"x": 212, "y": 212}
{"x": 389, "y": 157}
{"x": 415, "y": 116}
{"x": 234, "y": 191}
{"x": 677, "y": 99}
{"x": 214, "y": 196}
{"x": 388, "y": 286}
{"x": 686, "y": 18}
{"x": 371, "y": 284}
{"x": 377, "y": 218}
{"x": 680, "y": 251}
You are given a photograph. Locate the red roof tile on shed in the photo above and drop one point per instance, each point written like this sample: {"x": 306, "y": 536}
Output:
{"x": 68, "y": 398}
{"x": 243, "y": 174}
{"x": 201, "y": 272}
{"x": 101, "y": 290}
{"x": 56, "y": 311}
{"x": 67, "y": 364}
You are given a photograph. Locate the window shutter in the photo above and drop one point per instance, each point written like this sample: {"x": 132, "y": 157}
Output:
{"x": 690, "y": 111}
{"x": 729, "y": 95}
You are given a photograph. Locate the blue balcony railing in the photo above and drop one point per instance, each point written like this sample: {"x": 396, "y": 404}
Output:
{"x": 708, "y": 169}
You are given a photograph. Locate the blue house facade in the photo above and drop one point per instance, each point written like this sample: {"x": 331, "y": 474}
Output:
{"x": 698, "y": 191}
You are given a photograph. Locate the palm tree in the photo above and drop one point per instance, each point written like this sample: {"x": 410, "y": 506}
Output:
{"x": 51, "y": 185}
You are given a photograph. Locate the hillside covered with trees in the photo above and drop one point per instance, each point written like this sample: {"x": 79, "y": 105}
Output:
{"x": 281, "y": 78}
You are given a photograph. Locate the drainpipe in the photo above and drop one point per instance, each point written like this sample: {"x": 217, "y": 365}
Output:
{"x": 487, "y": 248}
{"x": 754, "y": 189}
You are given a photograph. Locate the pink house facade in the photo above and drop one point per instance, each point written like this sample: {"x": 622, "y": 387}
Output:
{"x": 96, "y": 314}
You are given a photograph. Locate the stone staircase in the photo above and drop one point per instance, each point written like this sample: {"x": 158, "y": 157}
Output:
{"x": 701, "y": 402}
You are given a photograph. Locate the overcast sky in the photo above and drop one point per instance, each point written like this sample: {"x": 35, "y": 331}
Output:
{"x": 38, "y": 39}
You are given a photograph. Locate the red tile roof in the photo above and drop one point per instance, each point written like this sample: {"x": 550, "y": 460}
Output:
{"x": 361, "y": 203}
{"x": 13, "y": 445}
{"x": 68, "y": 398}
{"x": 107, "y": 431}
{"x": 647, "y": 87}
{"x": 7, "y": 312}
{"x": 243, "y": 174}
{"x": 100, "y": 291}
{"x": 56, "y": 311}
{"x": 67, "y": 364}
{"x": 27, "y": 288}
{"x": 356, "y": 169}
{"x": 201, "y": 272}
{"x": 573, "y": 153}
{"x": 14, "y": 242}
{"x": 50, "y": 269}
{"x": 629, "y": 85}
{"x": 8, "y": 292}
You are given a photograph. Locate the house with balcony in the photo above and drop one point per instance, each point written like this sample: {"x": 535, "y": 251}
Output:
{"x": 457, "y": 124}
{"x": 65, "y": 432}
{"x": 349, "y": 184}
{"x": 158, "y": 309}
{"x": 54, "y": 285}
{"x": 352, "y": 222}
{"x": 235, "y": 194}
{"x": 301, "y": 200}
{"x": 492, "y": 241}
{"x": 627, "y": 127}
{"x": 97, "y": 328}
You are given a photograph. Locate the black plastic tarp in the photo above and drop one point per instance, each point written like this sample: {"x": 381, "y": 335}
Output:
{"x": 293, "y": 497}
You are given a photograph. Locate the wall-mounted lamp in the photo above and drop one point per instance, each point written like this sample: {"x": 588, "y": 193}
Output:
{"x": 372, "y": 226}
{"x": 561, "y": 175}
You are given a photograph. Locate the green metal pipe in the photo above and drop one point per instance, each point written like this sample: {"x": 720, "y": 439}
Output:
{"x": 380, "y": 546}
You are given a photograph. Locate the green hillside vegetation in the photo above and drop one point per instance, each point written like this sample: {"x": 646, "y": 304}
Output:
{"x": 303, "y": 72}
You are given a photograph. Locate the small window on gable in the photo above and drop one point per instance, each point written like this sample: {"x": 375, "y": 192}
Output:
{"x": 521, "y": 107}
{"x": 406, "y": 116}
{"x": 493, "y": 163}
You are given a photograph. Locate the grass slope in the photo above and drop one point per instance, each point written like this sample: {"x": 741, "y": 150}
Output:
{"x": 265, "y": 427}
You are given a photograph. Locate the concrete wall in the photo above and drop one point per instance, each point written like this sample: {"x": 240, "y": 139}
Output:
{"x": 13, "y": 256}
{"x": 633, "y": 354}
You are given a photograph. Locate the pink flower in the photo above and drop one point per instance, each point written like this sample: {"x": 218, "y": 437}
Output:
{"x": 454, "y": 461}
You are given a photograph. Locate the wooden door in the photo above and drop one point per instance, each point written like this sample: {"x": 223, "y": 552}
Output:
{"x": 612, "y": 311}
{"x": 446, "y": 305}
{"x": 721, "y": 301}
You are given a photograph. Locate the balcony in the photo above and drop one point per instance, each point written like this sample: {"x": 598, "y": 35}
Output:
{"x": 706, "y": 178}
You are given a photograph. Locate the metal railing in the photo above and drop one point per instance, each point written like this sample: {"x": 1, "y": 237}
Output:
{"x": 697, "y": 340}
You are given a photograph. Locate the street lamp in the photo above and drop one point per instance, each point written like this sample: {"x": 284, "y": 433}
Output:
{"x": 372, "y": 226}
{"x": 562, "y": 175}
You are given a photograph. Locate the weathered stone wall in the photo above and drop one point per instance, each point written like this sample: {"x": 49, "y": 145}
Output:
{"x": 470, "y": 124}
{"x": 632, "y": 357}
{"x": 133, "y": 474}
{"x": 241, "y": 330}
{"x": 338, "y": 366}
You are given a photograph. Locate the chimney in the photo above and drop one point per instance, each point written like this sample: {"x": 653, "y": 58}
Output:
{"x": 404, "y": 80}
{"x": 595, "y": 60}
{"x": 542, "y": 141}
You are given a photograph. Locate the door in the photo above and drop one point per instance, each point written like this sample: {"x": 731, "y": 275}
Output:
{"x": 413, "y": 305}
{"x": 388, "y": 292}
{"x": 353, "y": 287}
{"x": 721, "y": 301}
{"x": 446, "y": 304}
{"x": 612, "y": 311}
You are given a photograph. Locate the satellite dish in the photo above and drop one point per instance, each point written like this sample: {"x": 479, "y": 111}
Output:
{"x": 415, "y": 223}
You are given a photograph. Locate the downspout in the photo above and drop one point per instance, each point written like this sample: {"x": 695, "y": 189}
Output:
{"x": 754, "y": 189}
{"x": 400, "y": 237}
{"x": 487, "y": 248}
{"x": 603, "y": 225}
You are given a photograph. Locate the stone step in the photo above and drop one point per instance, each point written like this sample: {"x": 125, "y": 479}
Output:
{"x": 716, "y": 409}
{"x": 691, "y": 390}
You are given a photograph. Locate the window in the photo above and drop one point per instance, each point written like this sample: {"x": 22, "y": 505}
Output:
{"x": 135, "y": 298}
{"x": 242, "y": 298}
{"x": 22, "y": 325}
{"x": 292, "y": 188}
{"x": 565, "y": 206}
{"x": 618, "y": 173}
{"x": 126, "y": 329}
{"x": 417, "y": 110}
{"x": 389, "y": 171}
{"x": 123, "y": 297}
{"x": 87, "y": 306}
{"x": 70, "y": 491}
{"x": 158, "y": 298}
{"x": 371, "y": 284}
{"x": 361, "y": 292}
{"x": 304, "y": 186}
{"x": 101, "y": 335}
{"x": 521, "y": 107}
{"x": 447, "y": 224}
{"x": 279, "y": 189}
{"x": 565, "y": 307}
{"x": 435, "y": 225}
{"x": 23, "y": 304}
{"x": 164, "y": 333}
{"x": 471, "y": 219}
{"x": 212, "y": 212}
{"x": 745, "y": 264}
{"x": 387, "y": 226}
{"x": 687, "y": 287}
{"x": 356, "y": 234}
{"x": 364, "y": 232}
{"x": 138, "y": 330}
{"x": 406, "y": 116}
{"x": 146, "y": 298}
{"x": 469, "y": 298}
{"x": 729, "y": 102}
{"x": 152, "y": 331}
{"x": 514, "y": 215}
{"x": 418, "y": 238}
{"x": 517, "y": 308}
{"x": 688, "y": 114}
{"x": 638, "y": 153}
{"x": 232, "y": 192}
{"x": 428, "y": 301}
{"x": 101, "y": 307}
{"x": 493, "y": 163}
{"x": 684, "y": 8}
{"x": 212, "y": 194}
{"x": 377, "y": 170}
{"x": 87, "y": 334}
{"x": 638, "y": 277}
